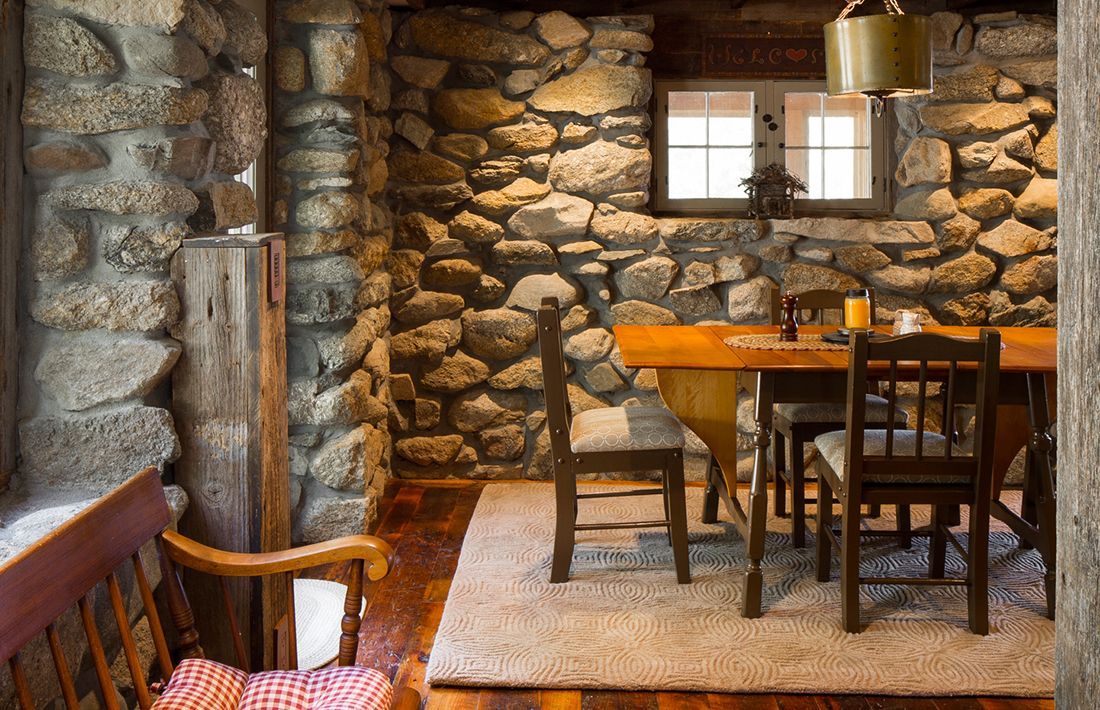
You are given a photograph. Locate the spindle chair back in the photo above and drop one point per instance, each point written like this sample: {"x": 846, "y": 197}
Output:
{"x": 896, "y": 465}
{"x": 103, "y": 543}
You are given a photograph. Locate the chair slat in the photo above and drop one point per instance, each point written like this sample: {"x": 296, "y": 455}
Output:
{"x": 19, "y": 678}
{"x": 99, "y": 658}
{"x": 291, "y": 626}
{"x": 234, "y": 625}
{"x": 922, "y": 400}
{"x": 949, "y": 410}
{"x": 164, "y": 658}
{"x": 129, "y": 648}
{"x": 892, "y": 403}
{"x": 76, "y": 556}
{"x": 64, "y": 676}
{"x": 350, "y": 623}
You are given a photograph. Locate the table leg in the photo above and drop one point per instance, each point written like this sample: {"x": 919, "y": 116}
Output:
{"x": 1040, "y": 447}
{"x": 752, "y": 589}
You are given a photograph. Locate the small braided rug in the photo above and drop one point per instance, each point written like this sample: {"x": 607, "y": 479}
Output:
{"x": 771, "y": 341}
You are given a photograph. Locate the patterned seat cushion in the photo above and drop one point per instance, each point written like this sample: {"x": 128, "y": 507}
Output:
{"x": 825, "y": 412}
{"x": 345, "y": 688}
{"x": 199, "y": 684}
{"x": 831, "y": 447}
{"x": 625, "y": 429}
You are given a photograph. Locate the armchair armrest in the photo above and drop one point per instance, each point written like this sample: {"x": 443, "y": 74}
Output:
{"x": 375, "y": 551}
{"x": 405, "y": 699}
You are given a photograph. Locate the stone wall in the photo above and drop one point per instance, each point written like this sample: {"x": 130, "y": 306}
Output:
{"x": 136, "y": 116}
{"x": 332, "y": 141}
{"x": 520, "y": 169}
{"x": 519, "y": 142}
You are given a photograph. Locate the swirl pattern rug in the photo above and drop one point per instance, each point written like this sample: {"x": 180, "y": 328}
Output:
{"x": 622, "y": 621}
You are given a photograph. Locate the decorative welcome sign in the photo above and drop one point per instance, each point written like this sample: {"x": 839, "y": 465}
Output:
{"x": 763, "y": 56}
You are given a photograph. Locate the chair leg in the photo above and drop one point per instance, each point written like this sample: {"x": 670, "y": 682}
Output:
{"x": 779, "y": 454}
{"x": 674, "y": 474}
{"x": 849, "y": 565}
{"x": 798, "y": 491}
{"x": 824, "y": 522}
{"x": 937, "y": 546}
{"x": 664, "y": 485}
{"x": 977, "y": 569}
{"x": 905, "y": 527}
{"x": 565, "y": 492}
{"x": 710, "y": 495}
{"x": 874, "y": 510}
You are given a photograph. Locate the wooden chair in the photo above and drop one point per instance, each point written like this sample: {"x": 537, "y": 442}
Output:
{"x": 912, "y": 467}
{"x": 62, "y": 570}
{"x": 605, "y": 440}
{"x": 800, "y": 423}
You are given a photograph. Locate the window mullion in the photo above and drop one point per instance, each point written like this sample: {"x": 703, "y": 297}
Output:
{"x": 706, "y": 144}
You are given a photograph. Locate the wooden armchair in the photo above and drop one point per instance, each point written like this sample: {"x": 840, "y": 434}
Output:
{"x": 61, "y": 571}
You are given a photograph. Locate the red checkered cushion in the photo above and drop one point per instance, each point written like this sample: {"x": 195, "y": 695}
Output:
{"x": 345, "y": 688}
{"x": 199, "y": 684}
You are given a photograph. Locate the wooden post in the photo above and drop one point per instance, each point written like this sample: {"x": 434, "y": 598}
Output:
{"x": 11, "y": 222}
{"x": 1078, "y": 646}
{"x": 229, "y": 397}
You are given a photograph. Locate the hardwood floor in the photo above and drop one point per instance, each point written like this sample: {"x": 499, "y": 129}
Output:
{"x": 426, "y": 523}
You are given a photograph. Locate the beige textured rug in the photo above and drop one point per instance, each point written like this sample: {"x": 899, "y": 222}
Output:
{"x": 622, "y": 622}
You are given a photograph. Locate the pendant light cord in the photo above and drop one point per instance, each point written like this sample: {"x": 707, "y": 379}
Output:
{"x": 892, "y": 8}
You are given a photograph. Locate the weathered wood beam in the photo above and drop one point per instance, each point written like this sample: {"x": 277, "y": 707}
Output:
{"x": 781, "y": 10}
{"x": 1077, "y": 660}
{"x": 11, "y": 223}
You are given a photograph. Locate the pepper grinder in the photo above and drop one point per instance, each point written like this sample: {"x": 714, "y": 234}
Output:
{"x": 788, "y": 327}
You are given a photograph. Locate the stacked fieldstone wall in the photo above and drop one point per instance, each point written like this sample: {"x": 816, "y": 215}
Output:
{"x": 520, "y": 142}
{"x": 137, "y": 114}
{"x": 332, "y": 92}
{"x": 521, "y": 167}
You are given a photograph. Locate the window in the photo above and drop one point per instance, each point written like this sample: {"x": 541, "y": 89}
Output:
{"x": 712, "y": 134}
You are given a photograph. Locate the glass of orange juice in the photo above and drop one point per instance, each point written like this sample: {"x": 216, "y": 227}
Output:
{"x": 857, "y": 309}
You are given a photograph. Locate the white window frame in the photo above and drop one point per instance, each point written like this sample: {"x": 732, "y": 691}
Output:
{"x": 769, "y": 147}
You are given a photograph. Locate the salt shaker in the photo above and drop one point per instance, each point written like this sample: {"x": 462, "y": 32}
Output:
{"x": 788, "y": 327}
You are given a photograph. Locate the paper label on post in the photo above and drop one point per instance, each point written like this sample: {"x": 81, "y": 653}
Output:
{"x": 275, "y": 272}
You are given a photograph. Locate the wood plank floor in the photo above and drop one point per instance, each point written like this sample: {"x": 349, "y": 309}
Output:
{"x": 426, "y": 523}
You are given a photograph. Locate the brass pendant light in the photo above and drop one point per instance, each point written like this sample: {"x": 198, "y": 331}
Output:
{"x": 879, "y": 56}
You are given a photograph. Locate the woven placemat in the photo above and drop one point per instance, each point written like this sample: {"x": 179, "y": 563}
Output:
{"x": 771, "y": 341}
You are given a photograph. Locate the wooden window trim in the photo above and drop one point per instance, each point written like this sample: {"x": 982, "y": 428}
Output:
{"x": 769, "y": 98}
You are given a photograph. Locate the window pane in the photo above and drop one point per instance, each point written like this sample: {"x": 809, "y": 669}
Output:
{"x": 687, "y": 118}
{"x": 803, "y": 116}
{"x": 687, "y": 173}
{"x": 806, "y": 164}
{"x": 848, "y": 122}
{"x": 730, "y": 118}
{"x": 833, "y": 173}
{"x": 831, "y": 145}
{"x": 728, "y": 167}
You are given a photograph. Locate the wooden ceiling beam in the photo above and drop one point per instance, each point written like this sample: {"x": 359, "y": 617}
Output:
{"x": 680, "y": 8}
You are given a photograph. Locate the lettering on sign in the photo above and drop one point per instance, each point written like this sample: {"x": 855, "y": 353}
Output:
{"x": 764, "y": 56}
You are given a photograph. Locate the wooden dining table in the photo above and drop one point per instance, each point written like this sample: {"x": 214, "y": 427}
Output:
{"x": 699, "y": 375}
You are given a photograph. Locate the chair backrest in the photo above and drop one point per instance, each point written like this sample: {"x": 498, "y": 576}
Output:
{"x": 961, "y": 367}
{"x": 60, "y": 572}
{"x": 820, "y": 306}
{"x": 553, "y": 378}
